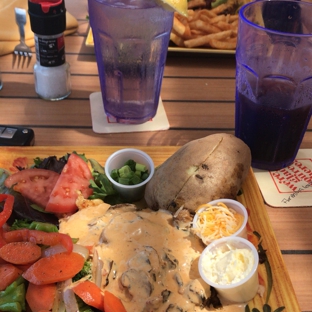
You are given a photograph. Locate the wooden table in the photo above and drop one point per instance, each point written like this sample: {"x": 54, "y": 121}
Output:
{"x": 198, "y": 96}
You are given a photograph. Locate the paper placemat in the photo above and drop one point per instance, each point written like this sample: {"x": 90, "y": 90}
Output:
{"x": 290, "y": 186}
{"x": 101, "y": 123}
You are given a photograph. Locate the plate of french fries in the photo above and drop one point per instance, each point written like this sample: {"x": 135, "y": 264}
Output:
{"x": 205, "y": 29}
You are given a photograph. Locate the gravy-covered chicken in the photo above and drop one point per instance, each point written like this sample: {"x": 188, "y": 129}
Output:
{"x": 142, "y": 258}
{"x": 148, "y": 259}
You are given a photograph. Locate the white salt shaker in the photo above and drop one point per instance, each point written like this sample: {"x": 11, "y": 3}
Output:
{"x": 51, "y": 71}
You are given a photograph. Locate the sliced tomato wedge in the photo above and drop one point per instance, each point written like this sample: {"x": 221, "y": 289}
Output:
{"x": 74, "y": 177}
{"x": 34, "y": 184}
{"x": 6, "y": 211}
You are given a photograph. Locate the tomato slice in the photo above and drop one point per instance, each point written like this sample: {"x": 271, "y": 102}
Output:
{"x": 34, "y": 184}
{"x": 74, "y": 177}
{"x": 6, "y": 211}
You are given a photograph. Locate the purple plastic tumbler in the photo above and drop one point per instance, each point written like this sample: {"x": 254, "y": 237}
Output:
{"x": 131, "y": 40}
{"x": 273, "y": 80}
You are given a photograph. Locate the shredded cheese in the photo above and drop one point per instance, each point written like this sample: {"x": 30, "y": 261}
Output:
{"x": 216, "y": 221}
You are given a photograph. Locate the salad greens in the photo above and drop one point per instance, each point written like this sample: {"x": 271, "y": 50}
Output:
{"x": 26, "y": 216}
{"x": 102, "y": 187}
{"x": 51, "y": 163}
{"x": 86, "y": 270}
{"x": 13, "y": 297}
{"x": 33, "y": 225}
{"x": 25, "y": 210}
{"x": 3, "y": 175}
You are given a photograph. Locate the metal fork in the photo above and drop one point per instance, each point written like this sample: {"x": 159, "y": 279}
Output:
{"x": 21, "y": 51}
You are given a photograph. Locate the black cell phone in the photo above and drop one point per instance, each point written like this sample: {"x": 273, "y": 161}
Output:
{"x": 16, "y": 136}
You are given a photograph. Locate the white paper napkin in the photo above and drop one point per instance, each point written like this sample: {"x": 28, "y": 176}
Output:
{"x": 103, "y": 124}
{"x": 288, "y": 187}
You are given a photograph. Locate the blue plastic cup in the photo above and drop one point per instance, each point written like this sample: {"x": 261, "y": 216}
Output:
{"x": 273, "y": 80}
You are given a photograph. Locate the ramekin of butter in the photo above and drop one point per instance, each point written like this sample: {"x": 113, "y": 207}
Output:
{"x": 230, "y": 264}
{"x": 220, "y": 218}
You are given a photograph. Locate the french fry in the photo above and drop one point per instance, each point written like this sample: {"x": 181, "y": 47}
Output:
{"x": 177, "y": 40}
{"x": 233, "y": 18}
{"x": 206, "y": 28}
{"x": 223, "y": 25}
{"x": 191, "y": 13}
{"x": 203, "y": 18}
{"x": 218, "y": 18}
{"x": 201, "y": 25}
{"x": 208, "y": 13}
{"x": 180, "y": 29}
{"x": 196, "y": 33}
{"x": 223, "y": 45}
{"x": 184, "y": 21}
{"x": 193, "y": 16}
{"x": 204, "y": 40}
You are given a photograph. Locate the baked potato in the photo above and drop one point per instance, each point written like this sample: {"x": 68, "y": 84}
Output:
{"x": 202, "y": 170}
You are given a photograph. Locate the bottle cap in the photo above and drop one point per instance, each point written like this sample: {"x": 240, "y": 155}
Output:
{"x": 47, "y": 17}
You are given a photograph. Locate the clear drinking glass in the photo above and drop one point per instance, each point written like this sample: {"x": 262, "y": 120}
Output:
{"x": 273, "y": 80}
{"x": 131, "y": 40}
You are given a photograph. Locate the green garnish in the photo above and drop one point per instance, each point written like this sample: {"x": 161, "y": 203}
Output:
{"x": 264, "y": 259}
{"x": 131, "y": 173}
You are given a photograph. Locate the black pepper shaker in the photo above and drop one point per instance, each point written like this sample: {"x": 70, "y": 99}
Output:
{"x": 51, "y": 71}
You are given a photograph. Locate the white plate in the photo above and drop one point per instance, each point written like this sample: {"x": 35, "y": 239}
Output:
{"x": 89, "y": 43}
{"x": 200, "y": 50}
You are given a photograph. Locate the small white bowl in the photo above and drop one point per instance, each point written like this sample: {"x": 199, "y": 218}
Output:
{"x": 129, "y": 193}
{"x": 230, "y": 203}
{"x": 240, "y": 290}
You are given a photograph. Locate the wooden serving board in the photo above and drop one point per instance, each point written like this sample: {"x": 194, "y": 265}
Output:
{"x": 282, "y": 293}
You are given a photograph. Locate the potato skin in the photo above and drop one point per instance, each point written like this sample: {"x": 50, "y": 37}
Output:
{"x": 202, "y": 170}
